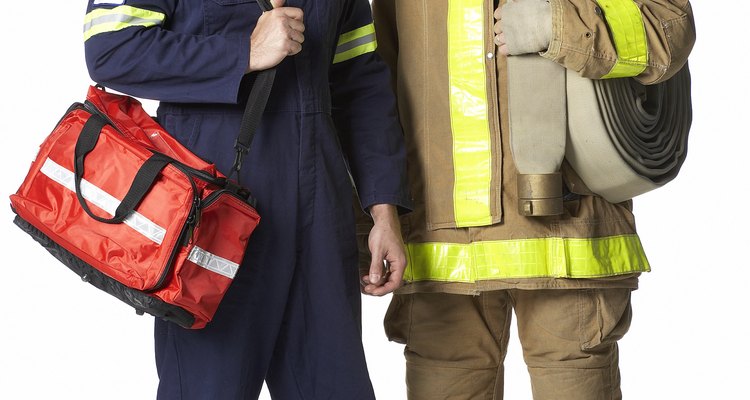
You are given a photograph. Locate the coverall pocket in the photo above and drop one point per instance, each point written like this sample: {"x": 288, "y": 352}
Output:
{"x": 605, "y": 317}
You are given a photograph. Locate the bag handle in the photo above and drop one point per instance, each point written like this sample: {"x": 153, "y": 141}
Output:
{"x": 256, "y": 103}
{"x": 144, "y": 178}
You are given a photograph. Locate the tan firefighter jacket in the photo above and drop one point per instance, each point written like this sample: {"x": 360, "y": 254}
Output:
{"x": 466, "y": 234}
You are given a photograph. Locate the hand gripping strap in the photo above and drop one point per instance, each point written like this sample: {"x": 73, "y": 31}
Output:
{"x": 256, "y": 103}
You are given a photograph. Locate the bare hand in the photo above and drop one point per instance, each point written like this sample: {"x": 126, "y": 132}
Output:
{"x": 387, "y": 249}
{"x": 278, "y": 34}
{"x": 502, "y": 44}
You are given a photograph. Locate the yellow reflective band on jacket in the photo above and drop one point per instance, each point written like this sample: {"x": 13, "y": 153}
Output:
{"x": 103, "y": 20}
{"x": 626, "y": 25}
{"x": 472, "y": 157}
{"x": 525, "y": 258}
{"x": 355, "y": 43}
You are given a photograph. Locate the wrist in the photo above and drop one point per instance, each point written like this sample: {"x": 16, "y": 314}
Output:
{"x": 384, "y": 213}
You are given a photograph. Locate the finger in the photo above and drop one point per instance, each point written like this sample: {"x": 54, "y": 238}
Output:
{"x": 500, "y": 39}
{"x": 292, "y": 12}
{"x": 376, "y": 270}
{"x": 386, "y": 288}
{"x": 277, "y": 3}
{"x": 296, "y": 24}
{"x": 498, "y": 13}
{"x": 294, "y": 48}
{"x": 297, "y": 36}
{"x": 503, "y": 50}
{"x": 393, "y": 282}
{"x": 497, "y": 28}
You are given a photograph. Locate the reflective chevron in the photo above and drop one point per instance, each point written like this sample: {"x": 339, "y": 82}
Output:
{"x": 213, "y": 263}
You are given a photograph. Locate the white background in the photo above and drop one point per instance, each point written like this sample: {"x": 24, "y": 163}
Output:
{"x": 62, "y": 339}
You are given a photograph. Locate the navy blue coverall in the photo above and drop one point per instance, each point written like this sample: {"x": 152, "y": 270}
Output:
{"x": 292, "y": 314}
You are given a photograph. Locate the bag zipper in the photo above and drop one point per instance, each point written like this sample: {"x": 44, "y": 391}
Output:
{"x": 186, "y": 233}
{"x": 193, "y": 216}
{"x": 193, "y": 219}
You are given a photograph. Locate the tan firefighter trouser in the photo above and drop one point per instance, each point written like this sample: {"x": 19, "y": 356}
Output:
{"x": 455, "y": 344}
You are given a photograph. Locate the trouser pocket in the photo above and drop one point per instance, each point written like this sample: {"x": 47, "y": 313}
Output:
{"x": 605, "y": 317}
{"x": 398, "y": 318}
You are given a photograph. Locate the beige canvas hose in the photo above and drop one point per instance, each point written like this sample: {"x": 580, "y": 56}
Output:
{"x": 622, "y": 138}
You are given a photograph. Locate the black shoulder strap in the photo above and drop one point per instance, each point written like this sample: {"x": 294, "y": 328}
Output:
{"x": 256, "y": 103}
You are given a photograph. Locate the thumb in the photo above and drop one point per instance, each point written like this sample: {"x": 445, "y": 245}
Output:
{"x": 277, "y": 3}
{"x": 376, "y": 269}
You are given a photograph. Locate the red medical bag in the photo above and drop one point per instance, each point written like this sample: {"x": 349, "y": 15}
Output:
{"x": 133, "y": 212}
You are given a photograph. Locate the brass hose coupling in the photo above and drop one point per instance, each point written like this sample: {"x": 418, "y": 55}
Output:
{"x": 540, "y": 194}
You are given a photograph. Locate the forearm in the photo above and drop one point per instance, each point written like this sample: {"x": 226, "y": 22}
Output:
{"x": 595, "y": 40}
{"x": 145, "y": 56}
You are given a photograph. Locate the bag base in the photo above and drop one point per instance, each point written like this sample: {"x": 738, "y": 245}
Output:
{"x": 142, "y": 302}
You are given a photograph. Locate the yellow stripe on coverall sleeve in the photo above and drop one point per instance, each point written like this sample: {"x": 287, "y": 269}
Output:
{"x": 355, "y": 43}
{"x": 103, "y": 20}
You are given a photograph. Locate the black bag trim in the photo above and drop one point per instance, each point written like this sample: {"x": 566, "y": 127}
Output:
{"x": 142, "y": 302}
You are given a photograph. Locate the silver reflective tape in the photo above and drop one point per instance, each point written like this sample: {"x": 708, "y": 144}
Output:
{"x": 213, "y": 263}
{"x": 103, "y": 200}
{"x": 128, "y": 20}
{"x": 355, "y": 43}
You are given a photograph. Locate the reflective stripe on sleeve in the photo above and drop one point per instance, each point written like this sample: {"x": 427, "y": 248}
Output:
{"x": 103, "y": 20}
{"x": 356, "y": 43}
{"x": 472, "y": 156}
{"x": 525, "y": 258}
{"x": 626, "y": 25}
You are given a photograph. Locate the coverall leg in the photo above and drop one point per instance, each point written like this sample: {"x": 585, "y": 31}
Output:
{"x": 291, "y": 316}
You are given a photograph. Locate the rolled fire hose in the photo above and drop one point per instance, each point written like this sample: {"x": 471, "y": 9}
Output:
{"x": 623, "y": 138}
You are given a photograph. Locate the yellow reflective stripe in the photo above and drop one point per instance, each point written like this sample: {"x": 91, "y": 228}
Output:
{"x": 626, "y": 24}
{"x": 355, "y": 43}
{"x": 472, "y": 157}
{"x": 103, "y": 20}
{"x": 525, "y": 258}
{"x": 356, "y": 34}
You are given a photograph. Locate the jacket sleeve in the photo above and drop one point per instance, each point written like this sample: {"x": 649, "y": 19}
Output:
{"x": 364, "y": 112}
{"x": 135, "y": 47}
{"x": 646, "y": 39}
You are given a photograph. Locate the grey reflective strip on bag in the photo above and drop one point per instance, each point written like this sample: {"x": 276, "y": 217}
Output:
{"x": 213, "y": 263}
{"x": 624, "y": 139}
{"x": 97, "y": 196}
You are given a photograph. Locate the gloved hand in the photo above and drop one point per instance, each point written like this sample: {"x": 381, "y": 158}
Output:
{"x": 523, "y": 26}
